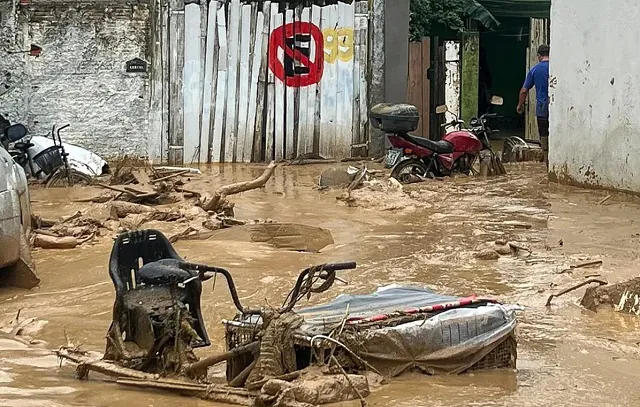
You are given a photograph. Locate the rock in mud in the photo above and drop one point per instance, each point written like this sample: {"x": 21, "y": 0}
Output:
{"x": 487, "y": 254}
{"x": 503, "y": 249}
{"x": 623, "y": 297}
{"x": 336, "y": 178}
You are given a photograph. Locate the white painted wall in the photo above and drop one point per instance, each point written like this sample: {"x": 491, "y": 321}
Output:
{"x": 595, "y": 93}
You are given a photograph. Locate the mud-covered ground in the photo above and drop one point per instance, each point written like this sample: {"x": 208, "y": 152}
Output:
{"x": 426, "y": 235}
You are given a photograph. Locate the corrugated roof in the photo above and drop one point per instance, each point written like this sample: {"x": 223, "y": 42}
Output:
{"x": 517, "y": 8}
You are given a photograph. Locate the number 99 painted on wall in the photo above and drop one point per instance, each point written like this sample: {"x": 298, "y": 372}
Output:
{"x": 294, "y": 64}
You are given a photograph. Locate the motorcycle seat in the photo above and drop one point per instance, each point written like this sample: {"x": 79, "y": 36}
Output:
{"x": 440, "y": 147}
{"x": 23, "y": 146}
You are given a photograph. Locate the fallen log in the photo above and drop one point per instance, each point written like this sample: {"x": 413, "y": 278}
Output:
{"x": 55, "y": 242}
{"x": 120, "y": 209}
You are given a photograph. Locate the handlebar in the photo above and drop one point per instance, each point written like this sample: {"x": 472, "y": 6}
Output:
{"x": 350, "y": 265}
{"x": 452, "y": 123}
{"x": 324, "y": 271}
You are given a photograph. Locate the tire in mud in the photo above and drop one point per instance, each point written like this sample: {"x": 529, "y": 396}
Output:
{"x": 60, "y": 179}
{"x": 405, "y": 171}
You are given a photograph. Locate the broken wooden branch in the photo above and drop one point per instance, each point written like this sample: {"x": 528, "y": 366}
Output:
{"x": 55, "y": 242}
{"x": 120, "y": 209}
{"x": 259, "y": 182}
{"x": 98, "y": 365}
{"x": 363, "y": 402}
{"x": 241, "y": 378}
{"x": 581, "y": 265}
{"x": 116, "y": 189}
{"x": 176, "y": 174}
{"x": 605, "y": 199}
{"x": 217, "y": 201}
{"x": 575, "y": 287}
{"x": 215, "y": 359}
{"x": 71, "y": 217}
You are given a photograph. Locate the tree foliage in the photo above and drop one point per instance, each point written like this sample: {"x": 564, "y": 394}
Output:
{"x": 436, "y": 17}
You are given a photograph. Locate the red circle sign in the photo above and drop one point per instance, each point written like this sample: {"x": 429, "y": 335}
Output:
{"x": 313, "y": 68}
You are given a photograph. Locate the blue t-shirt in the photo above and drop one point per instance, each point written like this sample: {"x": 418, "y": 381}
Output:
{"x": 538, "y": 76}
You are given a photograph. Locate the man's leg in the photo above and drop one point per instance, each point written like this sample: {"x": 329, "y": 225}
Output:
{"x": 543, "y": 131}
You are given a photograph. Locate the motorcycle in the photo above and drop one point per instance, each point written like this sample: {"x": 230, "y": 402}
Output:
{"x": 48, "y": 158}
{"x": 417, "y": 157}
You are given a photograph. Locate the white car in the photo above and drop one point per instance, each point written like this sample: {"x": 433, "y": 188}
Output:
{"x": 15, "y": 221}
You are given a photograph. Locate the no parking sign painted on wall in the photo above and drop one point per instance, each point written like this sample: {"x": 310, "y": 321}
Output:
{"x": 298, "y": 68}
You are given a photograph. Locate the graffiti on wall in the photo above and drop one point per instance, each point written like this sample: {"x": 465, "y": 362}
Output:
{"x": 293, "y": 51}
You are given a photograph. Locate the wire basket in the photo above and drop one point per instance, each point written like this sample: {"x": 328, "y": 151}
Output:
{"x": 504, "y": 356}
{"x": 49, "y": 159}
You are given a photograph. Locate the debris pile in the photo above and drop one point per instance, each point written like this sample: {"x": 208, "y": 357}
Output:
{"x": 138, "y": 195}
{"x": 622, "y": 297}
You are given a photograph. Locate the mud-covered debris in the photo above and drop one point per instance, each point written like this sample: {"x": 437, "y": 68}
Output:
{"x": 487, "y": 254}
{"x": 22, "y": 329}
{"x": 623, "y": 297}
{"x": 292, "y": 236}
{"x": 313, "y": 390}
{"x": 336, "y": 178}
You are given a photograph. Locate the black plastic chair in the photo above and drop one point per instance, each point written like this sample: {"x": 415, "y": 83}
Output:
{"x": 133, "y": 250}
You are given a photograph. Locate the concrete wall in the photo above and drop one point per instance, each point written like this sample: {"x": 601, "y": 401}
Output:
{"x": 595, "y": 110}
{"x": 12, "y": 66}
{"x": 80, "y": 78}
{"x": 389, "y": 61}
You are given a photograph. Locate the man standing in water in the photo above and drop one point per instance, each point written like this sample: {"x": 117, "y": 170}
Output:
{"x": 538, "y": 76}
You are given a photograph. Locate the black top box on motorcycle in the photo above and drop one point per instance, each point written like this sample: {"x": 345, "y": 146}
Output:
{"x": 394, "y": 118}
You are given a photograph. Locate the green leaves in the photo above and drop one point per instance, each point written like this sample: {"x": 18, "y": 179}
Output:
{"x": 445, "y": 17}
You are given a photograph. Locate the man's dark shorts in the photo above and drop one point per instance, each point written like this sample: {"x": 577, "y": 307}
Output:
{"x": 543, "y": 131}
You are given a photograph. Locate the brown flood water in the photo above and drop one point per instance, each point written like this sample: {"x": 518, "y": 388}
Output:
{"x": 567, "y": 356}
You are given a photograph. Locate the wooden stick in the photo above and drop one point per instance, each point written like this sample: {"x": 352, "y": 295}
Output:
{"x": 170, "y": 176}
{"x": 587, "y": 264}
{"x": 221, "y": 357}
{"x": 363, "y": 402}
{"x": 241, "y": 379}
{"x": 72, "y": 217}
{"x": 122, "y": 191}
{"x": 606, "y": 198}
{"x": 575, "y": 287}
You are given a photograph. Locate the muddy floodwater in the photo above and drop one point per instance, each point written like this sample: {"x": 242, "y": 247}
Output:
{"x": 566, "y": 356}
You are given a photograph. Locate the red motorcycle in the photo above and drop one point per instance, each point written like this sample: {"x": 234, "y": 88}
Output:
{"x": 421, "y": 157}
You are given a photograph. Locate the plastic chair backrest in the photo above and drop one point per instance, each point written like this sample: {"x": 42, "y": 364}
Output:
{"x": 134, "y": 249}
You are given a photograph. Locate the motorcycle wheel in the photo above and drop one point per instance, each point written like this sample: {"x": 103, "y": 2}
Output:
{"x": 406, "y": 171}
{"x": 60, "y": 180}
